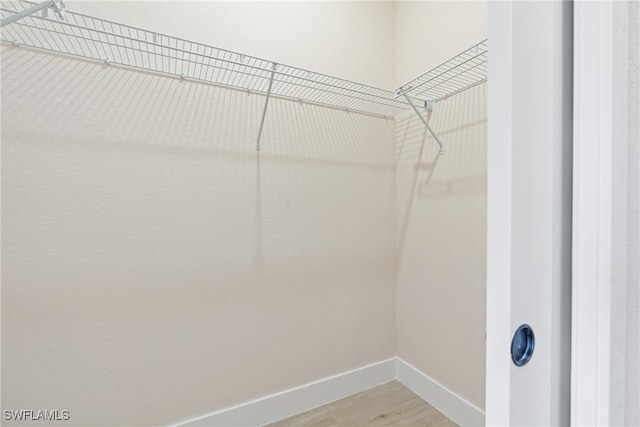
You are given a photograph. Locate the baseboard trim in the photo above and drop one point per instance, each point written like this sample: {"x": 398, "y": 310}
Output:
{"x": 299, "y": 399}
{"x": 440, "y": 397}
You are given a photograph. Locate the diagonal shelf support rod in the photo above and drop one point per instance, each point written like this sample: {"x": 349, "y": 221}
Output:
{"x": 424, "y": 121}
{"x": 58, "y": 7}
{"x": 266, "y": 104}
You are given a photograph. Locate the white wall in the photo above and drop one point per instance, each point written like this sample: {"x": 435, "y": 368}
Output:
{"x": 441, "y": 206}
{"x": 441, "y": 244}
{"x": 153, "y": 270}
{"x": 352, "y": 40}
{"x": 430, "y": 32}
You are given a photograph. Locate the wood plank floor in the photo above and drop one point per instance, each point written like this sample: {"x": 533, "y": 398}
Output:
{"x": 390, "y": 404}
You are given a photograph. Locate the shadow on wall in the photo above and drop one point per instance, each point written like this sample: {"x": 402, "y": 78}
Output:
{"x": 420, "y": 165}
{"x": 141, "y": 118}
{"x": 151, "y": 255}
{"x": 187, "y": 117}
{"x": 461, "y": 123}
{"x": 441, "y": 243}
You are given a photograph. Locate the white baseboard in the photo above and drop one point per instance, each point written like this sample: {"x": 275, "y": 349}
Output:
{"x": 438, "y": 396}
{"x": 296, "y": 400}
{"x": 293, "y": 401}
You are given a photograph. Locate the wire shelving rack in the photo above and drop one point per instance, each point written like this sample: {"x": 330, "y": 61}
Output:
{"x": 114, "y": 43}
{"x": 463, "y": 71}
{"x": 27, "y": 23}
{"x": 455, "y": 75}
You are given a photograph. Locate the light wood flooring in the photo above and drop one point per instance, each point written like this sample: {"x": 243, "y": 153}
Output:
{"x": 390, "y": 404}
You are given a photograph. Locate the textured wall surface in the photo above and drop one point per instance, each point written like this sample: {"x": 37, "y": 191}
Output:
{"x": 441, "y": 205}
{"x": 430, "y": 32}
{"x": 156, "y": 268}
{"x": 441, "y": 243}
{"x": 353, "y": 39}
{"x": 633, "y": 265}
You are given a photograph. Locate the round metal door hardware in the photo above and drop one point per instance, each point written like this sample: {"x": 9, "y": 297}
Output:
{"x": 522, "y": 345}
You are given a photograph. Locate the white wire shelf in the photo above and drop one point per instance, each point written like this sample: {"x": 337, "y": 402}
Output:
{"x": 459, "y": 73}
{"x": 114, "y": 43}
{"x": 29, "y": 24}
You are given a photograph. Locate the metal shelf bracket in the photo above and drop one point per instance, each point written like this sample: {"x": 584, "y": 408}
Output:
{"x": 266, "y": 103}
{"x": 429, "y": 106}
{"x": 58, "y": 7}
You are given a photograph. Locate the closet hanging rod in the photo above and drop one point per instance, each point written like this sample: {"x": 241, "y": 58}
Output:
{"x": 119, "y": 44}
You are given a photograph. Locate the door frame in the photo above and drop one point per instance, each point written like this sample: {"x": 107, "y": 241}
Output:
{"x": 599, "y": 215}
